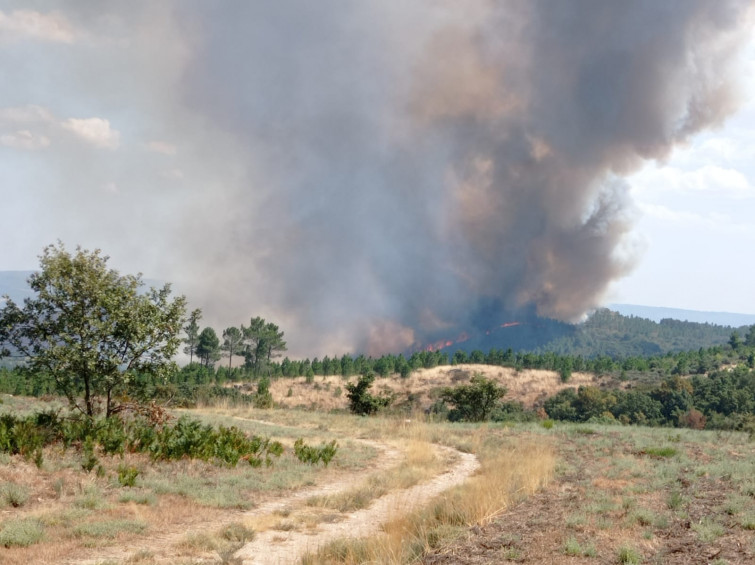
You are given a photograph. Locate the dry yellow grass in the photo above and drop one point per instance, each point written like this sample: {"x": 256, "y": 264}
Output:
{"x": 504, "y": 478}
{"x": 529, "y": 386}
{"x": 421, "y": 462}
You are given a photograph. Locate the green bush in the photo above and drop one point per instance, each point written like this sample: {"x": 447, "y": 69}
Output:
{"x": 127, "y": 475}
{"x": 263, "y": 398}
{"x": 162, "y": 440}
{"x": 363, "y": 403}
{"x": 111, "y": 435}
{"x": 312, "y": 455}
{"x": 473, "y": 402}
{"x": 89, "y": 460}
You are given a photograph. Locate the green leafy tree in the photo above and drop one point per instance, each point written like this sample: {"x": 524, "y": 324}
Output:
{"x": 475, "y": 401}
{"x": 192, "y": 333}
{"x": 208, "y": 347}
{"x": 233, "y": 339}
{"x": 91, "y": 328}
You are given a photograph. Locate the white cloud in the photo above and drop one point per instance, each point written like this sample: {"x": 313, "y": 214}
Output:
{"x": 96, "y": 131}
{"x": 713, "y": 222}
{"x": 36, "y": 127}
{"x": 24, "y": 139}
{"x": 162, "y": 147}
{"x": 710, "y": 179}
{"x": 21, "y": 24}
{"x": 666, "y": 214}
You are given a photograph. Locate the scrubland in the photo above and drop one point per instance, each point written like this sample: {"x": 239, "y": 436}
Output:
{"x": 543, "y": 493}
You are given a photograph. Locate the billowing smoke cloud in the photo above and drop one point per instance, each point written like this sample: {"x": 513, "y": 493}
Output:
{"x": 368, "y": 173}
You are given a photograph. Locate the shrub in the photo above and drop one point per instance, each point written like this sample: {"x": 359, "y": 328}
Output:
{"x": 237, "y": 532}
{"x": 89, "y": 460}
{"x": 363, "y": 403}
{"x": 312, "y": 455}
{"x": 693, "y": 419}
{"x": 91, "y": 499}
{"x": 141, "y": 434}
{"x": 111, "y": 435}
{"x": 14, "y": 495}
{"x": 127, "y": 475}
{"x": 21, "y": 533}
{"x": 263, "y": 398}
{"x": 475, "y": 401}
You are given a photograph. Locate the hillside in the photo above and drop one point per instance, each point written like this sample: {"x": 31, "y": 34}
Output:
{"x": 529, "y": 386}
{"x": 604, "y": 333}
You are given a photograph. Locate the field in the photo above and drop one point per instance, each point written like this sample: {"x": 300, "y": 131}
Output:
{"x": 411, "y": 490}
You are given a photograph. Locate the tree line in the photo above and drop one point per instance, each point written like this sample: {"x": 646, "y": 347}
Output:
{"x": 259, "y": 343}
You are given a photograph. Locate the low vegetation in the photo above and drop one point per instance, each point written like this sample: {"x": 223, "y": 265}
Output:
{"x": 627, "y": 495}
{"x": 649, "y": 454}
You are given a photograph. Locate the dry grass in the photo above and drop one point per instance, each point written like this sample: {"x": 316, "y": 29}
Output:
{"x": 172, "y": 498}
{"x": 503, "y": 479}
{"x": 421, "y": 462}
{"x": 527, "y": 386}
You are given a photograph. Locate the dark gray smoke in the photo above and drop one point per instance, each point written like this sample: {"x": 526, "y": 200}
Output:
{"x": 401, "y": 166}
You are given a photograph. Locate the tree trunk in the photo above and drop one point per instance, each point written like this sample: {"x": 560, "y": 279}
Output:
{"x": 88, "y": 399}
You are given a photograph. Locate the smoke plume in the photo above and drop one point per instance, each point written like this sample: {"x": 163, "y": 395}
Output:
{"x": 368, "y": 173}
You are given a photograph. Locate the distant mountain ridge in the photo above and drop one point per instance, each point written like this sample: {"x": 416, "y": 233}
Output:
{"x": 657, "y": 313}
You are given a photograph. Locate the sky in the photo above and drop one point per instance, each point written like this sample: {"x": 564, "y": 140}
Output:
{"x": 694, "y": 228}
{"x": 369, "y": 174}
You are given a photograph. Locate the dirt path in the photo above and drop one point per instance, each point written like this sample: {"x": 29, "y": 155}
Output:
{"x": 273, "y": 548}
{"x": 276, "y": 547}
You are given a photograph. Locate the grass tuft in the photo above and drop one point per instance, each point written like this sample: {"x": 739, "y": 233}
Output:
{"x": 629, "y": 556}
{"x": 14, "y": 495}
{"x": 21, "y": 532}
{"x": 145, "y": 498}
{"x": 660, "y": 451}
{"x": 237, "y": 532}
{"x": 708, "y": 530}
{"x": 109, "y": 528}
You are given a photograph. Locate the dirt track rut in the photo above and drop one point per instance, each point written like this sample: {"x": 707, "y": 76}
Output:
{"x": 277, "y": 548}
